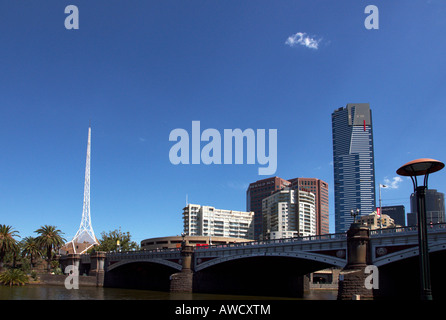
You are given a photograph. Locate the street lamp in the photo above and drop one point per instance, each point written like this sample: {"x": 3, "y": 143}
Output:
{"x": 183, "y": 243}
{"x": 354, "y": 213}
{"x": 413, "y": 169}
{"x": 380, "y": 212}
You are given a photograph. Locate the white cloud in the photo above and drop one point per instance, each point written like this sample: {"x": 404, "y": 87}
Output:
{"x": 394, "y": 183}
{"x": 301, "y": 38}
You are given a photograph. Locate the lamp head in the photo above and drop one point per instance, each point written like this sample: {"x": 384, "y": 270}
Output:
{"x": 420, "y": 167}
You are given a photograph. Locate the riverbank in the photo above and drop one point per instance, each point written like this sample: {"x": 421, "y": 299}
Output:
{"x": 59, "y": 280}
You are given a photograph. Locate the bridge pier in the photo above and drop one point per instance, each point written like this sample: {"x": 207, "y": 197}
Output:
{"x": 352, "y": 278}
{"x": 183, "y": 281}
{"x": 74, "y": 260}
{"x": 97, "y": 267}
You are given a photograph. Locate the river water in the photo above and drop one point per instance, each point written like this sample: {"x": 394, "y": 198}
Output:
{"x": 47, "y": 292}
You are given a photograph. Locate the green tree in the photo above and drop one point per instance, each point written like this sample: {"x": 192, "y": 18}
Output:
{"x": 13, "y": 277}
{"x": 7, "y": 242}
{"x": 31, "y": 249}
{"x": 49, "y": 239}
{"x": 109, "y": 241}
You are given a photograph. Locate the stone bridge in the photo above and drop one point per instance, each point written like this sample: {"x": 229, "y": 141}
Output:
{"x": 279, "y": 267}
{"x": 385, "y": 246}
{"x": 329, "y": 249}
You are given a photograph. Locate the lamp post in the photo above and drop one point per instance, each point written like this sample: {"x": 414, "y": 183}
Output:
{"x": 183, "y": 243}
{"x": 380, "y": 212}
{"x": 354, "y": 213}
{"x": 413, "y": 169}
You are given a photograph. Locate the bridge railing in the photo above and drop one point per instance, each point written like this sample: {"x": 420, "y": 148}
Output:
{"x": 324, "y": 237}
{"x": 432, "y": 227}
{"x": 122, "y": 254}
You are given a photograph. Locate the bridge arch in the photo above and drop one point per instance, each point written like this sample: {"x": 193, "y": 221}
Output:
{"x": 164, "y": 262}
{"x": 265, "y": 274}
{"x": 335, "y": 262}
{"x": 399, "y": 275}
{"x": 405, "y": 254}
{"x": 146, "y": 274}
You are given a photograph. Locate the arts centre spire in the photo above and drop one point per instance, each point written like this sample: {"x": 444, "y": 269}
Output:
{"x": 84, "y": 238}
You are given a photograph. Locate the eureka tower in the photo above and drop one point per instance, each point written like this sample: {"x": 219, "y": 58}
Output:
{"x": 353, "y": 163}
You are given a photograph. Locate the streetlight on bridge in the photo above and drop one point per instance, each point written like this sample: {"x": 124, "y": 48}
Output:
{"x": 354, "y": 213}
{"x": 413, "y": 169}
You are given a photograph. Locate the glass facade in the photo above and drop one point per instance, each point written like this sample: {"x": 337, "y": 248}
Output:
{"x": 353, "y": 163}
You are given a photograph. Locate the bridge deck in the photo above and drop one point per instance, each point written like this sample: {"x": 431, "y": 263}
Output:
{"x": 382, "y": 242}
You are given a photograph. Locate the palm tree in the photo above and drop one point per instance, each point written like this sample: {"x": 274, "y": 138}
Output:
{"x": 14, "y": 277}
{"x": 31, "y": 249}
{"x": 49, "y": 238}
{"x": 7, "y": 242}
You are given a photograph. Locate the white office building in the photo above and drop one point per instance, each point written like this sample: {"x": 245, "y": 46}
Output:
{"x": 289, "y": 213}
{"x": 208, "y": 221}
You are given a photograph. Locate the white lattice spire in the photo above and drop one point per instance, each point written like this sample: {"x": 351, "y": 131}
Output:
{"x": 85, "y": 238}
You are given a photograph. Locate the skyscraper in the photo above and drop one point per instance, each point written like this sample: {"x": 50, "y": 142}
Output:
{"x": 353, "y": 163}
{"x": 289, "y": 213}
{"x": 320, "y": 189}
{"x": 259, "y": 190}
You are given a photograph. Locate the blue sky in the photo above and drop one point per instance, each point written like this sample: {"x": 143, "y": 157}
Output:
{"x": 139, "y": 69}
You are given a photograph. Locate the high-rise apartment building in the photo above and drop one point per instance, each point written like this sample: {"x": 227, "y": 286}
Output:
{"x": 289, "y": 213}
{"x": 209, "y": 221}
{"x": 320, "y": 190}
{"x": 353, "y": 162}
{"x": 259, "y": 190}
